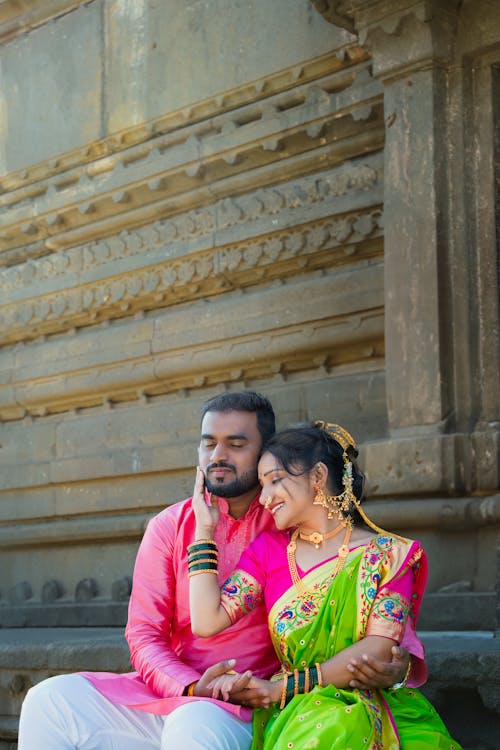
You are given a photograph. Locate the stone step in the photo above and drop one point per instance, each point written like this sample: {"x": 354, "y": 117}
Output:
{"x": 464, "y": 674}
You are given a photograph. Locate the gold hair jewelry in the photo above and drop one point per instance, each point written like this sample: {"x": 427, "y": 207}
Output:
{"x": 338, "y": 433}
{"x": 318, "y": 538}
{"x": 337, "y": 503}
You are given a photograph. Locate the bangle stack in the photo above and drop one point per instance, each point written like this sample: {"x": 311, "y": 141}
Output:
{"x": 203, "y": 557}
{"x": 300, "y": 682}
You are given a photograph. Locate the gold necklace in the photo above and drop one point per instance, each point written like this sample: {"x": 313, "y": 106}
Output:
{"x": 318, "y": 538}
{"x": 292, "y": 564}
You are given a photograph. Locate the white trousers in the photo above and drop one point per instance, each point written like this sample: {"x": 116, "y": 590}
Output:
{"x": 68, "y": 713}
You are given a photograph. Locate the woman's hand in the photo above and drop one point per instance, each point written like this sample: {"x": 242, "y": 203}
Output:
{"x": 206, "y": 514}
{"x": 371, "y": 673}
{"x": 258, "y": 693}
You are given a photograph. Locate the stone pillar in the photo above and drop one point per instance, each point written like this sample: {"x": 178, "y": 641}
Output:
{"x": 440, "y": 307}
{"x": 411, "y": 45}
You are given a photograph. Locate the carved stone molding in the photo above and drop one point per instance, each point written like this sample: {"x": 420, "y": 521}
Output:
{"x": 339, "y": 189}
{"x": 403, "y": 35}
{"x": 234, "y": 265}
{"x": 337, "y": 114}
{"x": 339, "y": 320}
{"x": 21, "y": 16}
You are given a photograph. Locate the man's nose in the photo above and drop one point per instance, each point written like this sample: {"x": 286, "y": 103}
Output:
{"x": 218, "y": 453}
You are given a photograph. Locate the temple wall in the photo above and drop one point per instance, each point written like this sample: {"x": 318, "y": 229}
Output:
{"x": 201, "y": 196}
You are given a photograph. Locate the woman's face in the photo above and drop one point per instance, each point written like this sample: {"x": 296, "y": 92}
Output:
{"x": 286, "y": 496}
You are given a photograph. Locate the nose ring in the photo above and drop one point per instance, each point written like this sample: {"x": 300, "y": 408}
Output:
{"x": 267, "y": 502}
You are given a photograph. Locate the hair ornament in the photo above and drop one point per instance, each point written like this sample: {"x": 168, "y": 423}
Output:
{"x": 340, "y": 504}
{"x": 338, "y": 433}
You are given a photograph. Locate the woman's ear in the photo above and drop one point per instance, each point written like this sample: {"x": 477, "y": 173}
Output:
{"x": 320, "y": 474}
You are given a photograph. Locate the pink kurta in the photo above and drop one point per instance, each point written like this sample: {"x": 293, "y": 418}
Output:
{"x": 164, "y": 651}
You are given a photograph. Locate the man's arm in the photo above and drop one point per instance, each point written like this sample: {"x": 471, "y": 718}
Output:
{"x": 151, "y": 614}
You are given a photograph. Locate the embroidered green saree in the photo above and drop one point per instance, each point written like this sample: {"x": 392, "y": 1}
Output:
{"x": 380, "y": 586}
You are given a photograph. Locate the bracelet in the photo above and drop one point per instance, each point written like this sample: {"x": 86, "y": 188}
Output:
{"x": 204, "y": 565}
{"x": 203, "y": 571}
{"x": 307, "y": 676}
{"x": 283, "y": 693}
{"x": 190, "y": 690}
{"x": 403, "y": 682}
{"x": 192, "y": 563}
{"x": 320, "y": 676}
{"x": 201, "y": 544}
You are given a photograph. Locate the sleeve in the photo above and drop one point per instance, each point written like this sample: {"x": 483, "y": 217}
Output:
{"x": 392, "y": 603}
{"x": 150, "y": 614}
{"x": 244, "y": 588}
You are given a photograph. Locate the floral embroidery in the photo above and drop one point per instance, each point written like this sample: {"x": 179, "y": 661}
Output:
{"x": 240, "y": 594}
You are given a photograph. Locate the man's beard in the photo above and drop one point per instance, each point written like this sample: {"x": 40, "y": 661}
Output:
{"x": 239, "y": 486}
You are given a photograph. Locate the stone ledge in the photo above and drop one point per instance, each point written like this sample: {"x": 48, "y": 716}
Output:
{"x": 464, "y": 673}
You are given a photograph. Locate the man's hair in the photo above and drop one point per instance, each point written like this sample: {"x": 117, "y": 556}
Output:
{"x": 245, "y": 401}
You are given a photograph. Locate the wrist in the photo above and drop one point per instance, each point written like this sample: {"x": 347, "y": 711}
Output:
{"x": 189, "y": 689}
{"x": 204, "y": 533}
{"x": 402, "y": 683}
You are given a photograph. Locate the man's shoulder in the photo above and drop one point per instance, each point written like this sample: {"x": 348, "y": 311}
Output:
{"x": 173, "y": 515}
{"x": 176, "y": 509}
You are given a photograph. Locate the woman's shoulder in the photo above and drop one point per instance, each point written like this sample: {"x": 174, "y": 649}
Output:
{"x": 396, "y": 548}
{"x": 270, "y": 540}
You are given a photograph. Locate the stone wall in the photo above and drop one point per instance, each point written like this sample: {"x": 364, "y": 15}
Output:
{"x": 203, "y": 196}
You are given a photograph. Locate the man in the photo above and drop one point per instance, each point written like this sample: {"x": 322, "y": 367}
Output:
{"x": 154, "y": 708}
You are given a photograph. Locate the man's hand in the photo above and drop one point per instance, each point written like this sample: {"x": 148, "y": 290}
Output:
{"x": 371, "y": 673}
{"x": 204, "y": 686}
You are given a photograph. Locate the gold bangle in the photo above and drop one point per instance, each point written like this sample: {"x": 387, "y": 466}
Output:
{"x": 320, "y": 676}
{"x": 295, "y": 681}
{"x": 190, "y": 690}
{"x": 200, "y": 572}
{"x": 283, "y": 693}
{"x": 306, "y": 679}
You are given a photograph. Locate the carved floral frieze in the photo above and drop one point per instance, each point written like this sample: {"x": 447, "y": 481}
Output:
{"x": 173, "y": 281}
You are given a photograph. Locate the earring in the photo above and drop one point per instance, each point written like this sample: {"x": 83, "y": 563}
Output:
{"x": 267, "y": 502}
{"x": 330, "y": 504}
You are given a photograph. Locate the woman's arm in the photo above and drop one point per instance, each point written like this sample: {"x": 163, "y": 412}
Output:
{"x": 335, "y": 671}
{"x": 208, "y": 617}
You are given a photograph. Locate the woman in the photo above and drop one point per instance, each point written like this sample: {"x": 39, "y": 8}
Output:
{"x": 334, "y": 590}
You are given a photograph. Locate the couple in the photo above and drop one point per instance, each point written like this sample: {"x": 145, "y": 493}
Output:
{"x": 155, "y": 706}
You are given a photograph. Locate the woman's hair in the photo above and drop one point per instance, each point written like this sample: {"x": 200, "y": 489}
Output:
{"x": 300, "y": 447}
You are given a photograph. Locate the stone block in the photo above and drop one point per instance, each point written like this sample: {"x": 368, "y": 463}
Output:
{"x": 145, "y": 37}
{"x": 37, "y": 88}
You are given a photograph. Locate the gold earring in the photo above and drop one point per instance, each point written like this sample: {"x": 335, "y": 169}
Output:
{"x": 330, "y": 504}
{"x": 267, "y": 502}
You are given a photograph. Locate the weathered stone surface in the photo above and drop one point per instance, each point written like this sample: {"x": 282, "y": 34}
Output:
{"x": 315, "y": 218}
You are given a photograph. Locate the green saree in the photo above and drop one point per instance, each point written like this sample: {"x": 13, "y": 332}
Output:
{"x": 370, "y": 596}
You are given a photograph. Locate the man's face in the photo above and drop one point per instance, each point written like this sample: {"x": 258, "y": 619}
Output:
{"x": 228, "y": 453}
